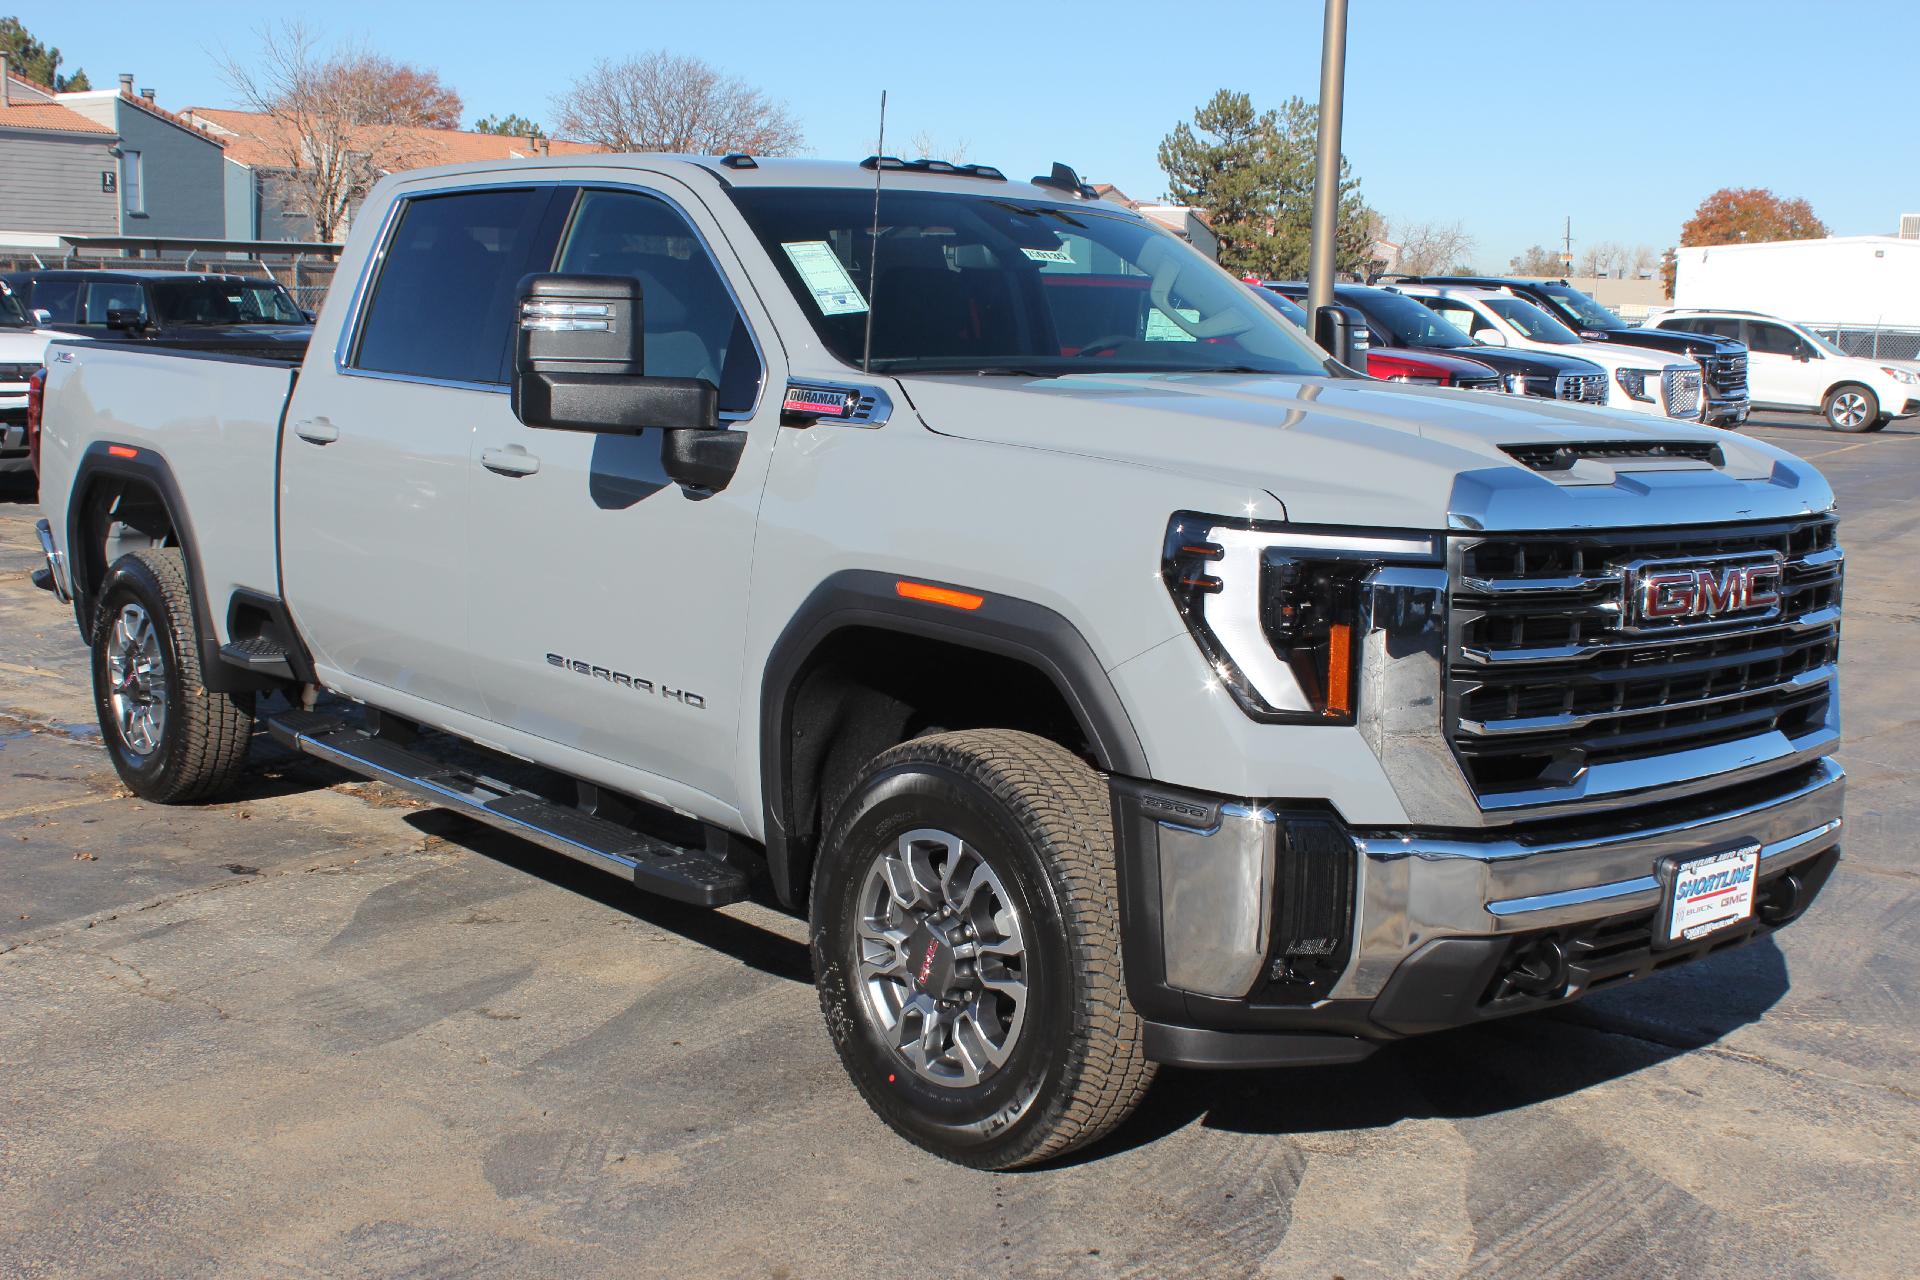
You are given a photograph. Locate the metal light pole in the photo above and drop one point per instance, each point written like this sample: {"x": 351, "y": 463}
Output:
{"x": 1326, "y": 178}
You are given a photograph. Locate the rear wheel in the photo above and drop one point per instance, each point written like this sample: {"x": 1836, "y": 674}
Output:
{"x": 966, "y": 946}
{"x": 171, "y": 739}
{"x": 1851, "y": 407}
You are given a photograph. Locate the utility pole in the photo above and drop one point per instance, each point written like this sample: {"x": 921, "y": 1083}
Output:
{"x": 1326, "y": 177}
{"x": 1566, "y": 254}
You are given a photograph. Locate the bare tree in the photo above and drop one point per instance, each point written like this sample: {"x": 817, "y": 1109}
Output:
{"x": 925, "y": 146}
{"x": 327, "y": 120}
{"x": 1432, "y": 248}
{"x": 1538, "y": 261}
{"x": 662, "y": 102}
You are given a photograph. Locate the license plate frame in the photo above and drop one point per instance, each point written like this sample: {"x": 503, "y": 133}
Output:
{"x": 1706, "y": 894}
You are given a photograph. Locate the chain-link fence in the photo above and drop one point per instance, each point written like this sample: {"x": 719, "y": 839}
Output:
{"x": 1874, "y": 341}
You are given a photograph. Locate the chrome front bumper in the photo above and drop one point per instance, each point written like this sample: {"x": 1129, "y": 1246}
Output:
{"x": 1414, "y": 889}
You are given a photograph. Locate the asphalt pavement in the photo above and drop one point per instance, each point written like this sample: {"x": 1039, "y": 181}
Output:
{"x": 318, "y": 1030}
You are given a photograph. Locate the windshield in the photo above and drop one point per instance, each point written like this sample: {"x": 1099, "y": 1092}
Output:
{"x": 1285, "y": 306}
{"x": 11, "y": 312}
{"x": 219, "y": 302}
{"x": 1534, "y": 324}
{"x": 1409, "y": 323}
{"x": 976, "y": 284}
{"x": 1586, "y": 311}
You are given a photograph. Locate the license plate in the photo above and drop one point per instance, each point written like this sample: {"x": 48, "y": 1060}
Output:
{"x": 1711, "y": 893}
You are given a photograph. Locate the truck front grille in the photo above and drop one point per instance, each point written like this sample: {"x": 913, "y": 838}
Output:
{"x": 1546, "y": 681}
{"x": 1680, "y": 392}
{"x": 1726, "y": 376}
{"x": 1587, "y": 388}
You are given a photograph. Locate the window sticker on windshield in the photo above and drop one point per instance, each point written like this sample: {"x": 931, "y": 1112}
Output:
{"x": 825, "y": 276}
{"x": 1062, "y": 254}
{"x": 1161, "y": 328}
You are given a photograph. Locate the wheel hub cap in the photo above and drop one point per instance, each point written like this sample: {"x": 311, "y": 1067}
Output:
{"x": 137, "y": 680}
{"x": 941, "y": 958}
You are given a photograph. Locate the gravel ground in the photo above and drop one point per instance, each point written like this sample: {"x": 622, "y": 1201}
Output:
{"x": 318, "y": 1030}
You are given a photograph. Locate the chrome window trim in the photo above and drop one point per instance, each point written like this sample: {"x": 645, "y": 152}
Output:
{"x": 376, "y": 263}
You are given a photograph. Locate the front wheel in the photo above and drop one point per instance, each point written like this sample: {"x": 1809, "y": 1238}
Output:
{"x": 966, "y": 948}
{"x": 1851, "y": 407}
{"x": 171, "y": 739}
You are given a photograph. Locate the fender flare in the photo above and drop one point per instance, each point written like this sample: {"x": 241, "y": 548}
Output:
{"x": 1002, "y": 625}
{"x": 149, "y": 468}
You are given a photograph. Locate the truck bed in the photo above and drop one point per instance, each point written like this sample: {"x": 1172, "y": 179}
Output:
{"x": 207, "y": 421}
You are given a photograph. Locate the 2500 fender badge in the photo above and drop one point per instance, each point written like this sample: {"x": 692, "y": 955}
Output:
{"x": 626, "y": 681}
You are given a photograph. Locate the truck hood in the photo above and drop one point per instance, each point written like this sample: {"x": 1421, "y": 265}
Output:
{"x": 1364, "y": 453}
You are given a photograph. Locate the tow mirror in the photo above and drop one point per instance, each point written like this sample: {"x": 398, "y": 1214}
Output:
{"x": 128, "y": 320}
{"x": 579, "y": 364}
{"x": 1342, "y": 332}
{"x": 42, "y": 316}
{"x": 1489, "y": 336}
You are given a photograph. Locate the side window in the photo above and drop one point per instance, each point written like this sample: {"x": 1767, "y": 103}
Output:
{"x": 104, "y": 296}
{"x": 441, "y": 305}
{"x": 59, "y": 298}
{"x": 693, "y": 329}
{"x": 1460, "y": 315}
{"x": 1681, "y": 324}
{"x": 1773, "y": 340}
{"x": 1720, "y": 328}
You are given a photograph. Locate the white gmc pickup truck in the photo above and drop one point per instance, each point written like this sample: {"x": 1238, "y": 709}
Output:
{"x": 1110, "y": 676}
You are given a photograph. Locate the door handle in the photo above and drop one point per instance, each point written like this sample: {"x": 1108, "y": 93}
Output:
{"x": 316, "y": 431}
{"x": 510, "y": 461}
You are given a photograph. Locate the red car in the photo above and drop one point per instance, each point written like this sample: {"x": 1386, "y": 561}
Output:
{"x": 1428, "y": 368}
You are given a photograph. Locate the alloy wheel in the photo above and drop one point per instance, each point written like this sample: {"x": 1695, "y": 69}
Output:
{"x": 137, "y": 680}
{"x": 941, "y": 958}
{"x": 1849, "y": 410}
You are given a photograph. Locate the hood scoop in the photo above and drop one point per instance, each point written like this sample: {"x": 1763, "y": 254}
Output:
{"x": 1564, "y": 456}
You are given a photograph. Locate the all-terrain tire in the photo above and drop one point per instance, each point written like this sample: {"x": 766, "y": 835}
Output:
{"x": 1040, "y": 818}
{"x": 198, "y": 742}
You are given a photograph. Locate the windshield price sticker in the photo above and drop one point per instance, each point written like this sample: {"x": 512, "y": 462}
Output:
{"x": 1061, "y": 255}
{"x": 1713, "y": 892}
{"x": 825, "y": 276}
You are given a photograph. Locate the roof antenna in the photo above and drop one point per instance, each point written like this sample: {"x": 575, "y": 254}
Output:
{"x": 873, "y": 246}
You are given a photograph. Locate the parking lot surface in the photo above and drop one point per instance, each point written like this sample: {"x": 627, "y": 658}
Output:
{"x": 319, "y": 1030}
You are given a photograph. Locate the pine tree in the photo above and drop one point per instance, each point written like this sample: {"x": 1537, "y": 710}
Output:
{"x": 1253, "y": 175}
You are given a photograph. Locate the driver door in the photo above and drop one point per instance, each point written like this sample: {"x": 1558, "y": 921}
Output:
{"x": 606, "y": 605}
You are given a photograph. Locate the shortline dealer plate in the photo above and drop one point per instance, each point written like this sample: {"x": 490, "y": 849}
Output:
{"x": 1710, "y": 893}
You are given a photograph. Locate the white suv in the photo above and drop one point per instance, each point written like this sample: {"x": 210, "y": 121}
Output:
{"x": 1791, "y": 367}
{"x": 22, "y": 348}
{"x": 1640, "y": 379}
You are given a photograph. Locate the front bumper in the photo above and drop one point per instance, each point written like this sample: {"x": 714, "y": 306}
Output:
{"x": 1727, "y": 411}
{"x": 1267, "y": 934}
{"x": 13, "y": 432}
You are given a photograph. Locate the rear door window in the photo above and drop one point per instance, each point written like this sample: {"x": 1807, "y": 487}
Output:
{"x": 105, "y": 296}
{"x": 441, "y": 306}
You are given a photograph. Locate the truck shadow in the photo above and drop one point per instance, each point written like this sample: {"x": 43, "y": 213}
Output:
{"x": 752, "y": 945}
{"x": 1475, "y": 1071}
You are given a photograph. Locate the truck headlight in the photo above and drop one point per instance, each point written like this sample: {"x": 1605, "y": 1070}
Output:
{"x": 1634, "y": 382}
{"x": 1276, "y": 608}
{"x": 1419, "y": 382}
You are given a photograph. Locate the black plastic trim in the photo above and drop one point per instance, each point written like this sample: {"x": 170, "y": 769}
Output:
{"x": 1216, "y": 1050}
{"x": 299, "y": 660}
{"x": 1002, "y": 625}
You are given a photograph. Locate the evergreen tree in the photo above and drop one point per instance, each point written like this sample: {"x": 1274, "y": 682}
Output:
{"x": 32, "y": 60}
{"x": 1253, "y": 175}
{"x": 511, "y": 125}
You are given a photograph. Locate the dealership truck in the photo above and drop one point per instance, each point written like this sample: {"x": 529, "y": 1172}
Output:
{"x": 1110, "y": 676}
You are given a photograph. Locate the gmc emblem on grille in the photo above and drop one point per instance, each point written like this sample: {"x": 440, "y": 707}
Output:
{"x": 1676, "y": 592}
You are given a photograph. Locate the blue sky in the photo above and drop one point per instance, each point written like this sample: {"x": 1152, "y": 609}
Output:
{"x": 1506, "y": 116}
